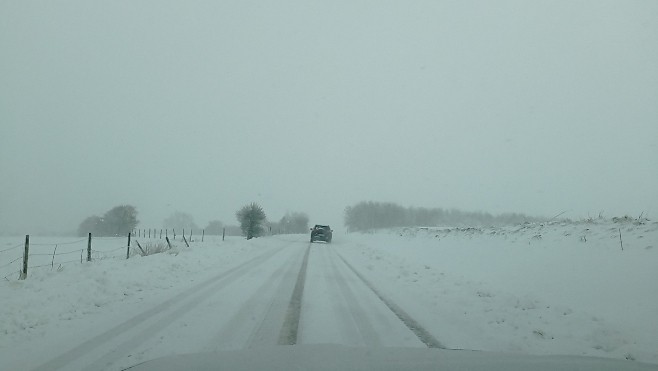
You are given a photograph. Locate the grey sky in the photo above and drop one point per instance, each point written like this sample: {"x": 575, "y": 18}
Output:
{"x": 203, "y": 106}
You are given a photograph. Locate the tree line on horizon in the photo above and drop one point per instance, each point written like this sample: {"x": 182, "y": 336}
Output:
{"x": 369, "y": 215}
{"x": 252, "y": 220}
{"x": 120, "y": 220}
{"x": 363, "y": 216}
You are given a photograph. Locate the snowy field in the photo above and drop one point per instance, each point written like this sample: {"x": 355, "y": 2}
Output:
{"x": 541, "y": 289}
{"x": 546, "y": 289}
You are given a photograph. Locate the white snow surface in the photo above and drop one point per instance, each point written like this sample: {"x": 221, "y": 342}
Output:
{"x": 556, "y": 288}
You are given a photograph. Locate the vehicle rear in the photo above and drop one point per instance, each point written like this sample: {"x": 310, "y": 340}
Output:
{"x": 321, "y": 233}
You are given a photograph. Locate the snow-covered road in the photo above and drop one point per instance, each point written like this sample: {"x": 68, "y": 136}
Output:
{"x": 243, "y": 305}
{"x": 554, "y": 289}
{"x": 291, "y": 292}
{"x": 340, "y": 308}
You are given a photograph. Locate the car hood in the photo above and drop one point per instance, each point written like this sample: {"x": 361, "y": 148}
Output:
{"x": 337, "y": 357}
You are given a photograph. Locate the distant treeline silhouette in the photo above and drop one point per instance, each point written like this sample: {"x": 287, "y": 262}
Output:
{"x": 374, "y": 215}
{"x": 116, "y": 222}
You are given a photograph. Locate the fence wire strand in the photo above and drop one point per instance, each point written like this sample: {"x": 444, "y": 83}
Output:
{"x": 56, "y": 254}
{"x": 52, "y": 265}
{"x": 12, "y": 248}
{"x": 104, "y": 252}
{"x": 11, "y": 262}
{"x": 10, "y": 274}
{"x": 111, "y": 238}
{"x": 57, "y": 243}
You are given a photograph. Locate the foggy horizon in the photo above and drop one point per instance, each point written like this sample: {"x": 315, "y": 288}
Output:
{"x": 203, "y": 107}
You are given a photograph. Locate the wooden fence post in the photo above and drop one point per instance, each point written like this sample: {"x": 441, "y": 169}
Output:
{"x": 52, "y": 262}
{"x": 26, "y": 255}
{"x": 190, "y": 234}
{"x": 89, "y": 248}
{"x": 128, "y": 251}
{"x": 187, "y": 244}
{"x": 140, "y": 247}
{"x": 168, "y": 243}
{"x": 160, "y": 233}
{"x": 203, "y": 234}
{"x": 223, "y": 233}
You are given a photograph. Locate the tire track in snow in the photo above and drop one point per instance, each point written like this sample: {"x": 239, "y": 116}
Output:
{"x": 360, "y": 316}
{"x": 154, "y": 319}
{"x": 422, "y": 334}
{"x": 268, "y": 331}
{"x": 288, "y": 334}
{"x": 342, "y": 313}
{"x": 232, "y": 335}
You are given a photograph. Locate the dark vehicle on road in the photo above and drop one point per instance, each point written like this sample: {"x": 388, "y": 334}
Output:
{"x": 321, "y": 233}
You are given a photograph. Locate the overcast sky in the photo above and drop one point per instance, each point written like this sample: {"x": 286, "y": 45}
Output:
{"x": 523, "y": 106}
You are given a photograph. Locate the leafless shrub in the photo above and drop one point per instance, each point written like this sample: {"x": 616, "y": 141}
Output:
{"x": 150, "y": 248}
{"x": 640, "y": 220}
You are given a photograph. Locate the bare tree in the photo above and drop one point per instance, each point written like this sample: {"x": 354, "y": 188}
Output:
{"x": 93, "y": 225}
{"x": 294, "y": 223}
{"x": 214, "y": 227}
{"x": 372, "y": 215}
{"x": 180, "y": 220}
{"x": 118, "y": 221}
{"x": 251, "y": 218}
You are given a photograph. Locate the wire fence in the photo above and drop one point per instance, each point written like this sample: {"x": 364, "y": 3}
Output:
{"x": 11, "y": 248}
{"x": 55, "y": 255}
{"x": 43, "y": 253}
{"x": 59, "y": 243}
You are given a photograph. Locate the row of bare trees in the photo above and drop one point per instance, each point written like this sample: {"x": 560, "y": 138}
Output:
{"x": 253, "y": 222}
{"x": 374, "y": 215}
{"x": 251, "y": 218}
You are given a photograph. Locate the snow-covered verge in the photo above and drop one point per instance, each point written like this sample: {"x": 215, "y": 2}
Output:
{"x": 552, "y": 288}
{"x": 58, "y": 305}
